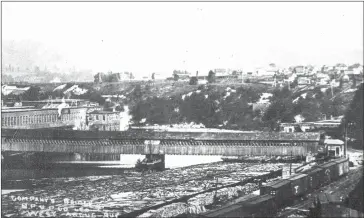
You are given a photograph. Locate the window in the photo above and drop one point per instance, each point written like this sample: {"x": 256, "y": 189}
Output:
{"x": 337, "y": 151}
{"x": 104, "y": 117}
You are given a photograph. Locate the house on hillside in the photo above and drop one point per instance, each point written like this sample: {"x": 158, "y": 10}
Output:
{"x": 223, "y": 74}
{"x": 112, "y": 77}
{"x": 182, "y": 76}
{"x": 279, "y": 80}
{"x": 299, "y": 70}
{"x": 355, "y": 70}
{"x": 340, "y": 67}
{"x": 303, "y": 81}
{"x": 322, "y": 79}
{"x": 268, "y": 71}
{"x": 326, "y": 68}
{"x": 335, "y": 83}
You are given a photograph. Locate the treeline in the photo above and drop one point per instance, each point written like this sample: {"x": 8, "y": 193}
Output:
{"x": 36, "y": 93}
{"x": 232, "y": 109}
{"x": 353, "y": 120}
{"x": 310, "y": 106}
{"x": 205, "y": 105}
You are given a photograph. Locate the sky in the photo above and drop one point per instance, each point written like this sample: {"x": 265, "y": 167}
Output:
{"x": 145, "y": 37}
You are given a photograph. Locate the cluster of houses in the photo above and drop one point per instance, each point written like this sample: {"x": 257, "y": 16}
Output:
{"x": 306, "y": 75}
{"x": 275, "y": 76}
{"x": 300, "y": 76}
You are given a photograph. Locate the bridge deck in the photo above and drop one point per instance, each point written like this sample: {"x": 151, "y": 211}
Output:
{"x": 148, "y": 142}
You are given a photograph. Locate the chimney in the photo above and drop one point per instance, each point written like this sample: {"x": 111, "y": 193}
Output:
{"x": 196, "y": 73}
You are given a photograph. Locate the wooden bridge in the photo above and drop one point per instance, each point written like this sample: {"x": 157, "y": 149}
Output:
{"x": 149, "y": 142}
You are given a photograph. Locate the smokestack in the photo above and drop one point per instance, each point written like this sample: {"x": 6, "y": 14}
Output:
{"x": 196, "y": 73}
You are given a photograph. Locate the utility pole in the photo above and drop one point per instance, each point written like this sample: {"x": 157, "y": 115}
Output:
{"x": 290, "y": 165}
{"x": 346, "y": 138}
{"x": 289, "y": 85}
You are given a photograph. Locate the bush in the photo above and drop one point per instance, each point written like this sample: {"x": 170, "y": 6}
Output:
{"x": 193, "y": 81}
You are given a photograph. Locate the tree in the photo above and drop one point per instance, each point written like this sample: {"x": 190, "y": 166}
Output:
{"x": 36, "y": 69}
{"x": 193, "y": 81}
{"x": 119, "y": 108}
{"x": 281, "y": 109}
{"x": 356, "y": 65}
{"x": 32, "y": 94}
{"x": 211, "y": 78}
{"x": 353, "y": 117}
{"x": 175, "y": 76}
{"x": 137, "y": 92}
{"x": 96, "y": 97}
{"x": 354, "y": 81}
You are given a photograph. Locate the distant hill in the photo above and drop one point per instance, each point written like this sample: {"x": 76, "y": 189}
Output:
{"x": 29, "y": 61}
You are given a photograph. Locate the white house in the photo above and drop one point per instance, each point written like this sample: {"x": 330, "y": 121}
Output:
{"x": 335, "y": 147}
{"x": 322, "y": 79}
{"x": 358, "y": 70}
{"x": 269, "y": 71}
{"x": 334, "y": 83}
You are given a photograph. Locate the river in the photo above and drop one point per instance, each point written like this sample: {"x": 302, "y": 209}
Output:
{"x": 23, "y": 178}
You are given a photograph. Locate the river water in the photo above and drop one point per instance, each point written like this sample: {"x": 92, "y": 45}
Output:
{"x": 21, "y": 178}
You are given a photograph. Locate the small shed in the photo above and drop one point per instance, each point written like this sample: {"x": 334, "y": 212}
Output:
{"x": 335, "y": 147}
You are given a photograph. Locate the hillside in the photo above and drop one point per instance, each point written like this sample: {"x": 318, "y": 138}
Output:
{"x": 213, "y": 105}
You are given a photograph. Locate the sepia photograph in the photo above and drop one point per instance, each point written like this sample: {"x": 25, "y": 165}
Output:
{"x": 182, "y": 109}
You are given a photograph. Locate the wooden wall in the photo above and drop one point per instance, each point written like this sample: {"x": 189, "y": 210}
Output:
{"x": 141, "y": 147}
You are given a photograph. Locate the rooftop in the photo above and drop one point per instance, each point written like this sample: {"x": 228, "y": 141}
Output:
{"x": 55, "y": 100}
{"x": 333, "y": 142}
{"x": 104, "y": 112}
{"x": 142, "y": 135}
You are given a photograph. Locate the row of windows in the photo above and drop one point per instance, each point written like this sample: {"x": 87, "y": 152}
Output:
{"x": 108, "y": 128}
{"x": 103, "y": 117}
{"x": 36, "y": 119}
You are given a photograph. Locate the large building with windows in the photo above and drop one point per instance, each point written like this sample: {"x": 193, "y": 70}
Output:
{"x": 104, "y": 120}
{"x": 31, "y": 118}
